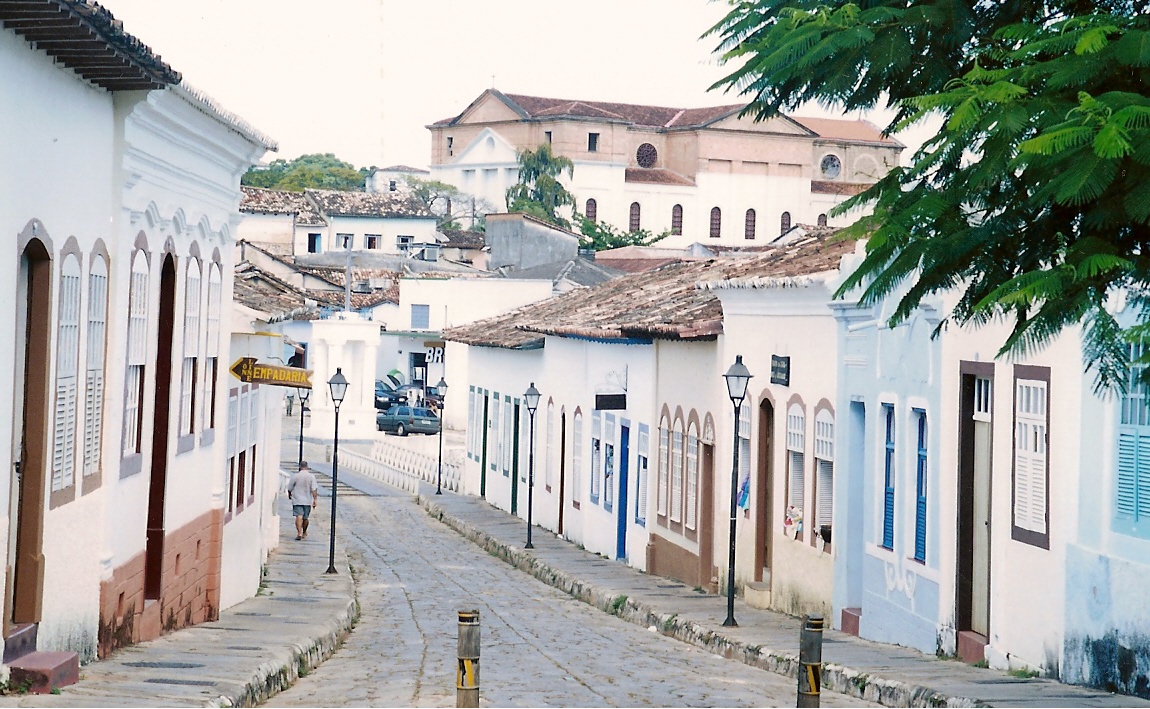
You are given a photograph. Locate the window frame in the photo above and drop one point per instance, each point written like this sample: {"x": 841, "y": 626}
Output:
{"x": 716, "y": 223}
{"x": 795, "y": 444}
{"x": 677, "y": 220}
{"x": 784, "y": 223}
{"x": 592, "y": 142}
{"x": 1132, "y": 486}
{"x": 635, "y": 218}
{"x": 1031, "y": 537}
{"x": 890, "y": 472}
{"x": 591, "y": 209}
{"x": 922, "y": 472}
{"x": 749, "y": 225}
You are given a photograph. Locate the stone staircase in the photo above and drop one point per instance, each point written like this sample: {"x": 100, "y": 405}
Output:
{"x": 35, "y": 671}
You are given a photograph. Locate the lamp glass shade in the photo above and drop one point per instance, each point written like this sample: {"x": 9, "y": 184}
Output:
{"x": 441, "y": 387}
{"x": 738, "y": 377}
{"x": 304, "y": 393}
{"x": 338, "y": 384}
{"x": 532, "y": 397}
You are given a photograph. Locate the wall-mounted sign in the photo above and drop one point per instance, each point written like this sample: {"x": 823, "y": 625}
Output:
{"x": 610, "y": 402}
{"x": 781, "y": 370}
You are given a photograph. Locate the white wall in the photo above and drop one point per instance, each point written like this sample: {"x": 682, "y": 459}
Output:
{"x": 58, "y": 166}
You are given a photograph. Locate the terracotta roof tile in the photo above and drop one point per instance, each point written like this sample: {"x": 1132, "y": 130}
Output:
{"x": 256, "y": 200}
{"x": 457, "y": 239}
{"x": 634, "y": 265}
{"x": 664, "y": 303}
{"x": 368, "y": 204}
{"x": 846, "y": 129}
{"x": 656, "y": 176}
{"x": 843, "y": 188}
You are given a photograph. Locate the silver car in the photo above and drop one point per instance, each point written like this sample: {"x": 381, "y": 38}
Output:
{"x": 402, "y": 420}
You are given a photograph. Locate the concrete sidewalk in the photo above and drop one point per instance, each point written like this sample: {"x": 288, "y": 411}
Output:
{"x": 256, "y": 649}
{"x": 888, "y": 674}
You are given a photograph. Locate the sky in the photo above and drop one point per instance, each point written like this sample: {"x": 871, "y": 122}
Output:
{"x": 362, "y": 78}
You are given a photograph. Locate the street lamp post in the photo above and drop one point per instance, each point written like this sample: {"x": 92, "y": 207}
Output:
{"x": 304, "y": 394}
{"x": 531, "y": 396}
{"x": 738, "y": 376}
{"x": 338, "y": 384}
{"x": 441, "y": 389}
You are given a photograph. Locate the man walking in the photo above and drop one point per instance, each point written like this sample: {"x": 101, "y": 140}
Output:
{"x": 304, "y": 494}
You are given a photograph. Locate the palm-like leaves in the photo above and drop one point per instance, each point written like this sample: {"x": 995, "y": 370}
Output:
{"x": 1033, "y": 200}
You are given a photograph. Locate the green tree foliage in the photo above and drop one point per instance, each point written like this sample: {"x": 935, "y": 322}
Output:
{"x": 1033, "y": 199}
{"x": 604, "y": 236}
{"x": 317, "y": 171}
{"x": 539, "y": 191}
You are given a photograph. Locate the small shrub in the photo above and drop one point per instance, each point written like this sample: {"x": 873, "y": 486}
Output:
{"x": 982, "y": 663}
{"x": 1023, "y": 673}
{"x": 617, "y": 604}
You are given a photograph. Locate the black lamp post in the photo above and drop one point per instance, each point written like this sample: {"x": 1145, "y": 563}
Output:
{"x": 441, "y": 389}
{"x": 531, "y": 396}
{"x": 338, "y": 384}
{"x": 738, "y": 376}
{"x": 304, "y": 394}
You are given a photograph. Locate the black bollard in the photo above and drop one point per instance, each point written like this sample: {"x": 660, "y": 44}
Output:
{"x": 467, "y": 676}
{"x": 810, "y": 661}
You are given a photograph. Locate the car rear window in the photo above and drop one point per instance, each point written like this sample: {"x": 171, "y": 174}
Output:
{"x": 425, "y": 412}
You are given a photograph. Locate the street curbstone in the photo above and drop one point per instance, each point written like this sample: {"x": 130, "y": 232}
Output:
{"x": 837, "y": 678}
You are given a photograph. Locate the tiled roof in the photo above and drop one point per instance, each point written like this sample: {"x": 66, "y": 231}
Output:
{"x": 368, "y": 204}
{"x": 656, "y": 176}
{"x": 256, "y": 200}
{"x": 578, "y": 270}
{"x": 843, "y": 188}
{"x": 634, "y": 265}
{"x": 846, "y": 130}
{"x": 335, "y": 276}
{"x": 261, "y": 291}
{"x": 538, "y": 107}
{"x": 85, "y": 37}
{"x": 402, "y": 168}
{"x": 666, "y": 303}
{"x": 210, "y": 106}
{"x": 464, "y": 239}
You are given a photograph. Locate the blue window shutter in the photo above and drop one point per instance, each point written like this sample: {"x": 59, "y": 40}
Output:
{"x": 1128, "y": 445}
{"x": 888, "y": 482}
{"x": 920, "y": 493}
{"x": 1142, "y": 489}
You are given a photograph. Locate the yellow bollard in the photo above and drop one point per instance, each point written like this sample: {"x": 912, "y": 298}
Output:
{"x": 467, "y": 675}
{"x": 810, "y": 661}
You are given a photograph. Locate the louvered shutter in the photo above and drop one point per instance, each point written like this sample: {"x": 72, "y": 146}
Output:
{"x": 888, "y": 480}
{"x": 1030, "y": 456}
{"x": 1128, "y": 450}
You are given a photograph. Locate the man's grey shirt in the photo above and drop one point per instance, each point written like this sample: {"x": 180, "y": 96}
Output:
{"x": 303, "y": 488}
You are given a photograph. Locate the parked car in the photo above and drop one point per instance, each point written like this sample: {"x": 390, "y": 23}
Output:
{"x": 404, "y": 419}
{"x": 386, "y": 396}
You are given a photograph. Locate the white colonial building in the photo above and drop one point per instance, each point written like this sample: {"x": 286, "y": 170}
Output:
{"x": 703, "y": 174}
{"x": 115, "y": 427}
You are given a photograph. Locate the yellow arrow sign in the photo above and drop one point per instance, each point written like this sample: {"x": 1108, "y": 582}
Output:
{"x": 247, "y": 370}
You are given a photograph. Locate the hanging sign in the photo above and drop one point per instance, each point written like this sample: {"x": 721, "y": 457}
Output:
{"x": 781, "y": 370}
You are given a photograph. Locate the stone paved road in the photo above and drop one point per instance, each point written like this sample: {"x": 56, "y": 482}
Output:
{"x": 541, "y": 648}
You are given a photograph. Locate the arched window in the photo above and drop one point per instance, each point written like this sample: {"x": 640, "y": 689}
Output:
{"x": 749, "y": 225}
{"x": 796, "y": 465}
{"x": 664, "y": 467}
{"x": 634, "y": 223}
{"x": 592, "y": 210}
{"x": 94, "y": 384}
{"x": 785, "y": 223}
{"x": 212, "y": 345}
{"x": 692, "y": 483}
{"x": 576, "y": 458}
{"x": 549, "y": 462}
{"x": 822, "y": 220}
{"x": 824, "y": 469}
{"x": 677, "y": 472}
{"x": 191, "y": 347}
{"x": 677, "y": 219}
{"x": 716, "y": 222}
{"x": 137, "y": 353}
{"x": 67, "y": 364}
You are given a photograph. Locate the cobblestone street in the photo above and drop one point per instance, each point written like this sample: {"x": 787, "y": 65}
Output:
{"x": 540, "y": 646}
